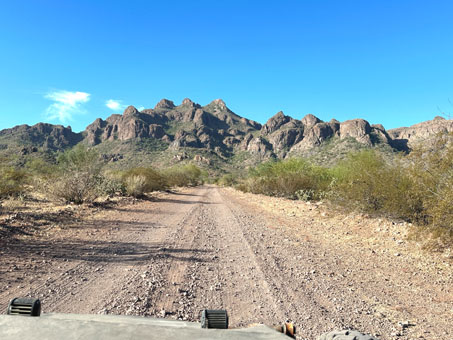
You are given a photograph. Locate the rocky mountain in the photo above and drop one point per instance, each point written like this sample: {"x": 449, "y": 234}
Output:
{"x": 41, "y": 135}
{"x": 216, "y": 127}
{"x": 215, "y": 131}
{"x": 213, "y": 126}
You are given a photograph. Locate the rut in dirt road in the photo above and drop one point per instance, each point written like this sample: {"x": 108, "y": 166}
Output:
{"x": 88, "y": 266}
{"x": 206, "y": 247}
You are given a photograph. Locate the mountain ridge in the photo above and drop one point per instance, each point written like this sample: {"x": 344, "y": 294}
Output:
{"x": 216, "y": 129}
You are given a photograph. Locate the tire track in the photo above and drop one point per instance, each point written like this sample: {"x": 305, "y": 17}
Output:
{"x": 110, "y": 261}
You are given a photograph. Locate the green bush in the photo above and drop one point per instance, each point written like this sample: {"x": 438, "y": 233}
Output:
{"x": 12, "y": 181}
{"x": 366, "y": 182}
{"x": 288, "y": 178}
{"x": 136, "y": 185}
{"x": 186, "y": 175}
{"x": 138, "y": 181}
{"x": 432, "y": 170}
{"x": 42, "y": 174}
{"x": 111, "y": 186}
{"x": 78, "y": 176}
{"x": 227, "y": 180}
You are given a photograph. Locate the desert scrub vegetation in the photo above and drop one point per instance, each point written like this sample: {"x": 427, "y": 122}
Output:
{"x": 227, "y": 180}
{"x": 77, "y": 176}
{"x": 417, "y": 188}
{"x": 185, "y": 175}
{"x": 138, "y": 181}
{"x": 366, "y": 182}
{"x": 12, "y": 181}
{"x": 431, "y": 168}
{"x": 141, "y": 180}
{"x": 82, "y": 177}
{"x": 293, "y": 178}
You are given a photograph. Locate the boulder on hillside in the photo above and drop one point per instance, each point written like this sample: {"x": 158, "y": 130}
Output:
{"x": 378, "y": 126}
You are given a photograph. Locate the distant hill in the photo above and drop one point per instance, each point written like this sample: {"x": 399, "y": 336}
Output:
{"x": 214, "y": 135}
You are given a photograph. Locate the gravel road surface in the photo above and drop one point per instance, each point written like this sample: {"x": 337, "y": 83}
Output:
{"x": 209, "y": 247}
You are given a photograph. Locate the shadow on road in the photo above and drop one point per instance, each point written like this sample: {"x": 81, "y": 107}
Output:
{"x": 100, "y": 251}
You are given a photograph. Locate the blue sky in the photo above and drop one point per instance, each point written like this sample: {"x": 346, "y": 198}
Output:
{"x": 69, "y": 62}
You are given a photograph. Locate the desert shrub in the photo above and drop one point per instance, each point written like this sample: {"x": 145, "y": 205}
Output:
{"x": 288, "y": 178}
{"x": 111, "y": 186}
{"x": 431, "y": 168}
{"x": 42, "y": 174}
{"x": 187, "y": 175}
{"x": 39, "y": 167}
{"x": 78, "y": 176}
{"x": 138, "y": 181}
{"x": 242, "y": 186}
{"x": 365, "y": 181}
{"x": 227, "y": 180}
{"x": 12, "y": 181}
{"x": 136, "y": 185}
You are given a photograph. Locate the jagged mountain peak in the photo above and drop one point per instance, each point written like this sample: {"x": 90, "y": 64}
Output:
{"x": 187, "y": 101}
{"x": 275, "y": 122}
{"x": 279, "y": 114}
{"x": 165, "y": 104}
{"x": 130, "y": 110}
{"x": 218, "y": 104}
{"x": 310, "y": 120}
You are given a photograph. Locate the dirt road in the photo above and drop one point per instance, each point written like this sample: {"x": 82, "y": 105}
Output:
{"x": 213, "y": 248}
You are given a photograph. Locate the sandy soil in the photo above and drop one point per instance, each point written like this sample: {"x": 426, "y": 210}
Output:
{"x": 265, "y": 260}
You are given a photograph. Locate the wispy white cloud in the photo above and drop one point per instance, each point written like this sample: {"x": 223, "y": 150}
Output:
{"x": 66, "y": 104}
{"x": 140, "y": 108}
{"x": 115, "y": 105}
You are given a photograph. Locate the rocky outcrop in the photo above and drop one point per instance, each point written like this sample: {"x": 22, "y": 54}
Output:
{"x": 202, "y": 160}
{"x": 260, "y": 146}
{"x": 314, "y": 136}
{"x": 406, "y": 137}
{"x": 164, "y": 104}
{"x": 218, "y": 105}
{"x": 274, "y": 123}
{"x": 130, "y": 111}
{"x": 189, "y": 103}
{"x": 131, "y": 124}
{"x": 282, "y": 132}
{"x": 359, "y": 129}
{"x": 283, "y": 140}
{"x": 42, "y": 135}
{"x": 310, "y": 120}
